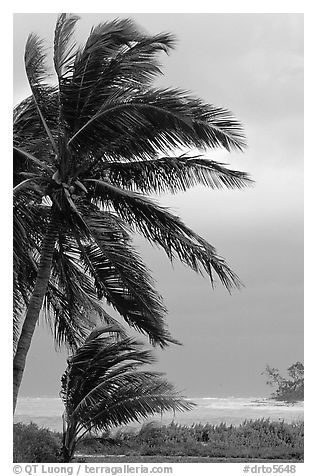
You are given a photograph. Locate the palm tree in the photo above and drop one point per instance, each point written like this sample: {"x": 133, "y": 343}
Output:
{"x": 94, "y": 147}
{"x": 73, "y": 295}
{"x": 104, "y": 386}
{"x": 71, "y": 303}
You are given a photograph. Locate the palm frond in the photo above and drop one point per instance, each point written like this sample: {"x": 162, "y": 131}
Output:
{"x": 100, "y": 366}
{"x": 24, "y": 154}
{"x": 113, "y": 328}
{"x": 151, "y": 395}
{"x": 132, "y": 62}
{"x": 164, "y": 229}
{"x": 27, "y": 128}
{"x": 102, "y": 44}
{"x": 121, "y": 277}
{"x": 35, "y": 58}
{"x": 98, "y": 308}
{"x": 35, "y": 182}
{"x": 82, "y": 276}
{"x": 143, "y": 124}
{"x": 172, "y": 174}
{"x": 69, "y": 325}
{"x": 36, "y": 71}
{"x": 69, "y": 299}
{"x": 105, "y": 386}
{"x": 64, "y": 47}
{"x": 32, "y": 150}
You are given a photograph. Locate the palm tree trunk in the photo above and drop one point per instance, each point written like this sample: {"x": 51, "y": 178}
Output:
{"x": 35, "y": 304}
{"x": 69, "y": 439}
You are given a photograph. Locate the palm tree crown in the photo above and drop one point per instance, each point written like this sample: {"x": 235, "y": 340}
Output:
{"x": 104, "y": 386}
{"x": 87, "y": 152}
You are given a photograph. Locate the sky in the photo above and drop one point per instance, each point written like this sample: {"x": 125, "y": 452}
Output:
{"x": 251, "y": 64}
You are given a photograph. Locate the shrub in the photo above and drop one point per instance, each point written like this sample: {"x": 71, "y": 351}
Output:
{"x": 32, "y": 444}
{"x": 252, "y": 439}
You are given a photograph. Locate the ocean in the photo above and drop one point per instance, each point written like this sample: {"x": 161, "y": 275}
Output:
{"x": 46, "y": 412}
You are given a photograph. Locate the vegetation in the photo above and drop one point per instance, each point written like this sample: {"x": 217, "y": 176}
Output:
{"x": 257, "y": 439}
{"x": 87, "y": 152}
{"x": 252, "y": 439}
{"x": 32, "y": 444}
{"x": 291, "y": 389}
{"x": 104, "y": 386}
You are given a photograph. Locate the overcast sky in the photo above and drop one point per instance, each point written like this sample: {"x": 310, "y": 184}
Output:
{"x": 251, "y": 64}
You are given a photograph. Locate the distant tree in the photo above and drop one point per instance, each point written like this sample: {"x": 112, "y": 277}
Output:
{"x": 291, "y": 389}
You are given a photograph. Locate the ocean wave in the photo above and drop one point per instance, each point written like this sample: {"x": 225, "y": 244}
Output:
{"x": 47, "y": 411}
